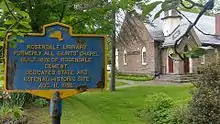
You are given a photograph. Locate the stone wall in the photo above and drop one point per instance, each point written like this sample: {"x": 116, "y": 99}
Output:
{"x": 133, "y": 40}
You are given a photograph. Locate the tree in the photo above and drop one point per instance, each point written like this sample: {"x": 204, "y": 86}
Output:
{"x": 204, "y": 106}
{"x": 85, "y": 16}
{"x": 93, "y": 16}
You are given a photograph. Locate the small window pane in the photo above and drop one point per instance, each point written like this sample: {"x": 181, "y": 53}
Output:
{"x": 144, "y": 57}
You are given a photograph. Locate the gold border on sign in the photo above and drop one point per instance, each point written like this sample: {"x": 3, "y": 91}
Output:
{"x": 64, "y": 92}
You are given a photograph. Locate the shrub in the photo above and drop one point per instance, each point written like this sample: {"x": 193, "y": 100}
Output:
{"x": 41, "y": 102}
{"x": 134, "y": 77}
{"x": 179, "y": 115}
{"x": 157, "y": 110}
{"x": 20, "y": 99}
{"x": 12, "y": 115}
{"x": 161, "y": 109}
{"x": 205, "y": 105}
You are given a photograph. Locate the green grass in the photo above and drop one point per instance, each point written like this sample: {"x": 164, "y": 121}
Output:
{"x": 132, "y": 77}
{"x": 117, "y": 83}
{"x": 118, "y": 107}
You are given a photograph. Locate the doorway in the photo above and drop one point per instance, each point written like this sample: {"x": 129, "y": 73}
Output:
{"x": 170, "y": 64}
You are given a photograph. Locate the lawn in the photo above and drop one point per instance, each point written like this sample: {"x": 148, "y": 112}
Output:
{"x": 118, "y": 107}
{"x": 116, "y": 84}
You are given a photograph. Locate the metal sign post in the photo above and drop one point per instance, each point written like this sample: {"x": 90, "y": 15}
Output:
{"x": 56, "y": 108}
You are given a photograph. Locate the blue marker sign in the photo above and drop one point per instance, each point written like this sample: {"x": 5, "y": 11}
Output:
{"x": 56, "y": 59}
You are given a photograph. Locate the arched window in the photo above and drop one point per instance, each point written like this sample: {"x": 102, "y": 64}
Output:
{"x": 125, "y": 57}
{"x": 143, "y": 56}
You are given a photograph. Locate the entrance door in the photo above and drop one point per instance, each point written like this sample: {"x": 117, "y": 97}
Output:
{"x": 186, "y": 65}
{"x": 170, "y": 62}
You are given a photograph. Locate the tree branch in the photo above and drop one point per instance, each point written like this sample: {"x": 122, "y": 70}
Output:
{"x": 207, "y": 6}
{"x": 62, "y": 13}
{"x": 195, "y": 4}
{"x": 196, "y": 26}
{"x": 187, "y": 7}
{"x": 9, "y": 10}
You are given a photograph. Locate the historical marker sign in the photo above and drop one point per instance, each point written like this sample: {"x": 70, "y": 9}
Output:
{"x": 56, "y": 60}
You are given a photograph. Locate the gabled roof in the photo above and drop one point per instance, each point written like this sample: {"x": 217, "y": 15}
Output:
{"x": 206, "y": 24}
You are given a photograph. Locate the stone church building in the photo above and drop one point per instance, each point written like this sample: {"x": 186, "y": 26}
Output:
{"x": 144, "y": 46}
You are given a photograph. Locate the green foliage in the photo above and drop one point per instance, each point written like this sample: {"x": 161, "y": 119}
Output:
{"x": 41, "y": 102}
{"x": 21, "y": 99}
{"x": 17, "y": 99}
{"x": 195, "y": 52}
{"x": 161, "y": 109}
{"x": 165, "y": 6}
{"x": 134, "y": 77}
{"x": 157, "y": 109}
{"x": 11, "y": 114}
{"x": 13, "y": 21}
{"x": 204, "y": 107}
{"x": 179, "y": 115}
{"x": 150, "y": 7}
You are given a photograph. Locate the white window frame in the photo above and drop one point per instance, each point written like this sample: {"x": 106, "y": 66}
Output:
{"x": 125, "y": 55}
{"x": 142, "y": 56}
{"x": 203, "y": 59}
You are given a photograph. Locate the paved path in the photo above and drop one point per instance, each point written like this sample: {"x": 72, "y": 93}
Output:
{"x": 146, "y": 83}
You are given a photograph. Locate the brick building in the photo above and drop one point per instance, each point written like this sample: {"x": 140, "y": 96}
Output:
{"x": 144, "y": 47}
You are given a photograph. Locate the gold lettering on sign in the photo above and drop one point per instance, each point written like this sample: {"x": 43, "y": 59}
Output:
{"x": 63, "y": 79}
{"x": 80, "y": 60}
{"x": 28, "y": 59}
{"x": 43, "y": 47}
{"x": 75, "y": 47}
{"x": 56, "y": 71}
{"x": 48, "y": 53}
{"x": 67, "y": 85}
{"x": 67, "y": 53}
{"x": 88, "y": 53}
{"x": 65, "y": 72}
{"x": 27, "y": 53}
{"x": 44, "y": 85}
{"x": 82, "y": 72}
{"x": 55, "y": 66}
{"x": 83, "y": 79}
{"x": 40, "y": 72}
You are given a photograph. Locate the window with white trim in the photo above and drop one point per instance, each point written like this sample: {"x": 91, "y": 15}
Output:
{"x": 203, "y": 59}
{"x": 125, "y": 57}
{"x": 144, "y": 56}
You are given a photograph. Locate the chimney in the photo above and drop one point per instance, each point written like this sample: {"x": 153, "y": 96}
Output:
{"x": 217, "y": 24}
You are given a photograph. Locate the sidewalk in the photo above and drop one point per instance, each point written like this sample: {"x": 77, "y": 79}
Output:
{"x": 146, "y": 83}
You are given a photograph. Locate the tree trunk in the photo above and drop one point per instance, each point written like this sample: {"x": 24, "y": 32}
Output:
{"x": 112, "y": 87}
